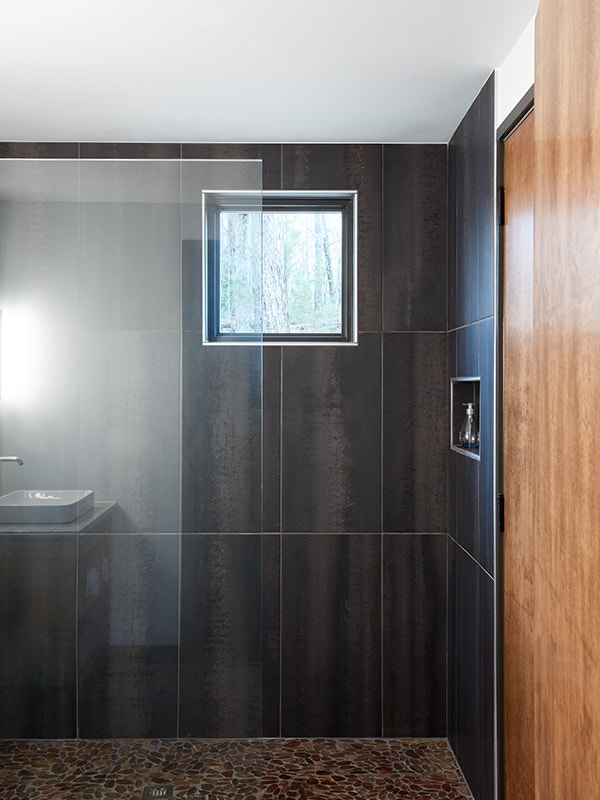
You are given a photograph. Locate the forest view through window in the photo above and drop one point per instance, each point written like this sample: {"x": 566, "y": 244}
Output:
{"x": 283, "y": 272}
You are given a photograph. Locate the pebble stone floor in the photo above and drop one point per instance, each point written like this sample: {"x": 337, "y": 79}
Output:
{"x": 230, "y": 769}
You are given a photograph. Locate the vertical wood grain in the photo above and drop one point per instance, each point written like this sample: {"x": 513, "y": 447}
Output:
{"x": 566, "y": 435}
{"x": 518, "y": 419}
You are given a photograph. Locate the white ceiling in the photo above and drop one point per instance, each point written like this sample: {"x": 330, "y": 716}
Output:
{"x": 242, "y": 70}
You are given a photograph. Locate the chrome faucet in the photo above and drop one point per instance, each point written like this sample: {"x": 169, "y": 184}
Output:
{"x": 18, "y": 460}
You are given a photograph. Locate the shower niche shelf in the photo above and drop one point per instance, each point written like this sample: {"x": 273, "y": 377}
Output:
{"x": 463, "y": 391}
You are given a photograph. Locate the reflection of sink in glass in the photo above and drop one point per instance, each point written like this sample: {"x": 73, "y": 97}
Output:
{"x": 34, "y": 506}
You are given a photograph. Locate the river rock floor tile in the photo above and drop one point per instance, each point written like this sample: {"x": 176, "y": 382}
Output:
{"x": 231, "y": 769}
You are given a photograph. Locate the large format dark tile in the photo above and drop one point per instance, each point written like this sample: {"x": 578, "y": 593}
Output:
{"x": 128, "y": 434}
{"x": 487, "y": 519}
{"x": 130, "y": 240}
{"x": 271, "y": 639}
{"x": 486, "y": 145}
{"x": 128, "y": 635}
{"x": 467, "y": 351}
{"x": 452, "y": 230}
{"x": 221, "y": 443}
{"x": 466, "y": 503}
{"x": 270, "y": 154}
{"x": 471, "y": 654}
{"x": 467, "y": 219}
{"x": 331, "y": 437}
{"x": 415, "y": 432}
{"x": 37, "y": 636}
{"x": 347, "y": 166}
{"x": 331, "y": 618}
{"x": 191, "y": 285}
{"x": 221, "y": 681}
{"x": 129, "y": 150}
{"x": 414, "y": 635}
{"x": 415, "y": 222}
{"x": 271, "y": 427}
{"x": 39, "y": 149}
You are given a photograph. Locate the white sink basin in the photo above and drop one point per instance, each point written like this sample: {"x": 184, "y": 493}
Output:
{"x": 35, "y": 506}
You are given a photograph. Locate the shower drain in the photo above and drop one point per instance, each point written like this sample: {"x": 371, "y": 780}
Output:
{"x": 158, "y": 791}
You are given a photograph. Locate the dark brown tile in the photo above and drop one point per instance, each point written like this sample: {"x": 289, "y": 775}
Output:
{"x": 269, "y": 154}
{"x": 221, "y": 635}
{"x": 331, "y": 660}
{"x": 472, "y": 701}
{"x": 348, "y": 166}
{"x": 37, "y": 631}
{"x": 415, "y": 223}
{"x": 271, "y": 638}
{"x": 128, "y": 635}
{"x": 414, "y": 635}
{"x": 131, "y": 150}
{"x": 271, "y": 461}
{"x": 221, "y": 445}
{"x": 331, "y": 437}
{"x": 415, "y": 438}
{"x": 486, "y": 145}
{"x": 39, "y": 150}
{"x": 487, "y": 520}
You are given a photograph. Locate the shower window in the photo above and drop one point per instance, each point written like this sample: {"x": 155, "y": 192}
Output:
{"x": 304, "y": 289}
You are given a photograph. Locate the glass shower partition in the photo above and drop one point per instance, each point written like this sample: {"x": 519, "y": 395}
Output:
{"x": 134, "y": 611}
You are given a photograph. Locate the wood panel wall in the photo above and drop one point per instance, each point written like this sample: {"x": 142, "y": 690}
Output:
{"x": 566, "y": 431}
{"x": 519, "y": 175}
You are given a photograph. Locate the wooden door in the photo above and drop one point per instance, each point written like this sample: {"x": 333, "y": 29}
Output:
{"x": 552, "y": 421}
{"x": 566, "y": 430}
{"x": 519, "y": 161}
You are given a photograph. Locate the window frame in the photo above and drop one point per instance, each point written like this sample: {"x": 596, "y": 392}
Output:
{"x": 213, "y": 202}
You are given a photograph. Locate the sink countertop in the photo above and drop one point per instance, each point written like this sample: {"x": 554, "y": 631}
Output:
{"x": 88, "y": 523}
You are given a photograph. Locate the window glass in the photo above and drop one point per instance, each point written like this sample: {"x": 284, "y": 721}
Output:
{"x": 304, "y": 290}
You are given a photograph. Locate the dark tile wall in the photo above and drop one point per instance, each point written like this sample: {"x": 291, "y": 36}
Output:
{"x": 290, "y": 592}
{"x": 331, "y": 635}
{"x": 330, "y": 488}
{"x": 471, "y": 500}
{"x": 37, "y": 631}
{"x": 128, "y": 598}
{"x": 414, "y": 631}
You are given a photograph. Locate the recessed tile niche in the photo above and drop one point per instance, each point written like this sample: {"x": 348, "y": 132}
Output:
{"x": 463, "y": 391}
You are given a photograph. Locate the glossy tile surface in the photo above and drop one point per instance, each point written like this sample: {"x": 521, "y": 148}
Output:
{"x": 414, "y": 635}
{"x": 415, "y": 422}
{"x": 471, "y": 708}
{"x": 486, "y": 197}
{"x": 414, "y": 237}
{"x": 221, "y": 636}
{"x": 271, "y": 431}
{"x": 221, "y": 442}
{"x": 331, "y": 645}
{"x": 467, "y": 216}
{"x": 37, "y": 631}
{"x": 128, "y": 635}
{"x": 487, "y": 521}
{"x": 331, "y": 437}
{"x": 347, "y": 166}
{"x": 225, "y": 769}
{"x": 128, "y": 436}
{"x": 467, "y": 351}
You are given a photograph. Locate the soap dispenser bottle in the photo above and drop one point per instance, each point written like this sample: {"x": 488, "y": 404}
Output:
{"x": 468, "y": 436}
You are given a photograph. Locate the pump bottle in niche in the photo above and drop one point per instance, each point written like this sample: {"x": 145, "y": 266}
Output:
{"x": 468, "y": 435}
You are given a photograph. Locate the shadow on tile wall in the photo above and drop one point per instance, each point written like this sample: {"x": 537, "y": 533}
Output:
{"x": 471, "y": 502}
